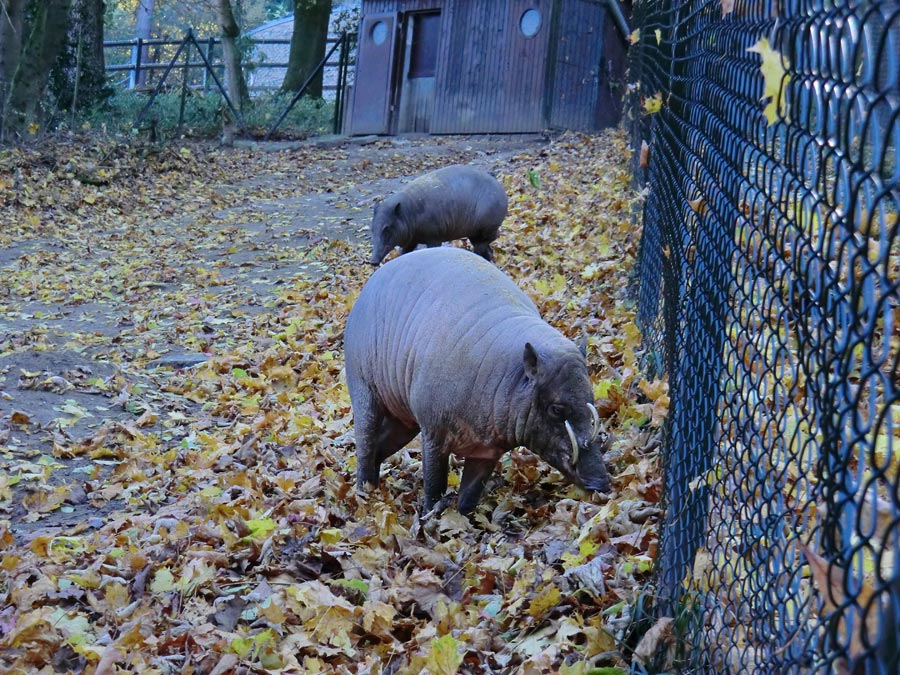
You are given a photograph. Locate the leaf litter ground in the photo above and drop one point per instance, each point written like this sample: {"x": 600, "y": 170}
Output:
{"x": 176, "y": 456}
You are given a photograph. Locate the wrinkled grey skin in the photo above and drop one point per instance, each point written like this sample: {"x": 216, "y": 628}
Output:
{"x": 440, "y": 341}
{"x": 450, "y": 203}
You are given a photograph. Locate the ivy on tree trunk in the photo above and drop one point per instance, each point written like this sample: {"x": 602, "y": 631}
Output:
{"x": 81, "y": 71}
{"x": 45, "y": 37}
{"x": 307, "y": 45}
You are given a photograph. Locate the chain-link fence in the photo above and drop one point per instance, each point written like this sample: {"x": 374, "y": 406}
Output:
{"x": 770, "y": 286}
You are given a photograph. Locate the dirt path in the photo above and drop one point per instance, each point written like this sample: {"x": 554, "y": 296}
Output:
{"x": 177, "y": 487}
{"x": 97, "y": 317}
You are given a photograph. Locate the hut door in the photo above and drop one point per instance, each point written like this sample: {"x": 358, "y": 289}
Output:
{"x": 374, "y": 69}
{"x": 422, "y": 32}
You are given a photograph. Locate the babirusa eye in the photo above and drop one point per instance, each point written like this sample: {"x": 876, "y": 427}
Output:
{"x": 556, "y": 411}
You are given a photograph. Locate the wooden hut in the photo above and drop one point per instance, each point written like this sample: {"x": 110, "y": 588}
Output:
{"x": 488, "y": 66}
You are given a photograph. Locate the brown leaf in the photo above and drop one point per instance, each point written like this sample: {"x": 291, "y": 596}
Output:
{"x": 657, "y": 638}
{"x": 423, "y": 588}
{"x": 107, "y": 663}
{"x": 829, "y": 580}
{"x": 18, "y": 417}
{"x": 226, "y": 663}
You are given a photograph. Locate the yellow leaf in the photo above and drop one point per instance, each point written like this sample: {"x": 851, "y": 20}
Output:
{"x": 775, "y": 78}
{"x": 547, "y": 598}
{"x": 163, "y": 581}
{"x": 635, "y": 36}
{"x": 658, "y": 34}
{"x": 653, "y": 104}
{"x": 598, "y": 641}
{"x": 654, "y": 390}
{"x": 272, "y": 612}
{"x": 603, "y": 387}
{"x": 260, "y": 528}
{"x": 698, "y": 577}
{"x": 331, "y": 535}
{"x": 116, "y": 595}
{"x": 378, "y": 618}
{"x": 89, "y": 579}
{"x": 444, "y": 657}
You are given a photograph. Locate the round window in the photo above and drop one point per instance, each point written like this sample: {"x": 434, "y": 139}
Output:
{"x": 530, "y": 22}
{"x": 379, "y": 32}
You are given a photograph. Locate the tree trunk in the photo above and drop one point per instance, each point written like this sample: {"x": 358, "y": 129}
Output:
{"x": 143, "y": 23}
{"x": 307, "y": 45}
{"x": 11, "y": 24}
{"x": 78, "y": 78}
{"x": 43, "y": 44}
{"x": 92, "y": 86}
{"x": 231, "y": 55}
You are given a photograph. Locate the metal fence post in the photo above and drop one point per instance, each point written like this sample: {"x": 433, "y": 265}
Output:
{"x": 341, "y": 85}
{"x": 210, "y": 44}
{"x": 185, "y": 74}
{"x": 136, "y": 53}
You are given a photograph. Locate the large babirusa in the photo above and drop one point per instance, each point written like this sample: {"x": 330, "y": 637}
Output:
{"x": 451, "y": 203}
{"x": 440, "y": 341}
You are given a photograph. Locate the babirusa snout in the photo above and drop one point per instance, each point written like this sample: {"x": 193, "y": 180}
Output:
{"x": 574, "y": 442}
{"x": 595, "y": 431}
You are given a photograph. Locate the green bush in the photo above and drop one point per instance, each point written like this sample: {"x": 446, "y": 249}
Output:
{"x": 310, "y": 116}
{"x": 206, "y": 114}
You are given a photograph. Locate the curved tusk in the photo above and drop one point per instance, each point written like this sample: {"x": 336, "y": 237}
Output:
{"x": 574, "y": 443}
{"x": 595, "y": 421}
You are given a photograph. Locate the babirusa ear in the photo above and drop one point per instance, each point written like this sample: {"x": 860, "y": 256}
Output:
{"x": 397, "y": 209}
{"x": 582, "y": 344}
{"x": 530, "y": 359}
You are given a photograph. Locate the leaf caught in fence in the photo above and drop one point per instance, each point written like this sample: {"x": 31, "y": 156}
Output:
{"x": 775, "y": 76}
{"x": 830, "y": 580}
{"x": 653, "y": 104}
{"x": 659, "y": 637}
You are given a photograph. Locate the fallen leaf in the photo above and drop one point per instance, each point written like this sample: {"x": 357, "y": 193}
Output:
{"x": 443, "y": 656}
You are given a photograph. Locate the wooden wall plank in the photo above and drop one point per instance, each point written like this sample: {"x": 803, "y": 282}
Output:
{"x": 574, "y": 88}
{"x": 492, "y": 81}
{"x": 490, "y": 78}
